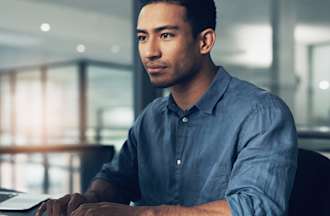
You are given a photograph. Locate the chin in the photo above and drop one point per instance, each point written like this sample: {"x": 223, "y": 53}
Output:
{"x": 161, "y": 84}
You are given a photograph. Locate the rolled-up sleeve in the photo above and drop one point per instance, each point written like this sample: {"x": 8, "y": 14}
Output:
{"x": 263, "y": 173}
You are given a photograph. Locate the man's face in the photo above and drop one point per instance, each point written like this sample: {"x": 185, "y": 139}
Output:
{"x": 167, "y": 48}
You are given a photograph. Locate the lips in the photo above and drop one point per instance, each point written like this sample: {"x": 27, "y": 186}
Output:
{"x": 155, "y": 69}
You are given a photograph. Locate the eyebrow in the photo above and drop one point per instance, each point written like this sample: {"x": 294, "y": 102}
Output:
{"x": 159, "y": 29}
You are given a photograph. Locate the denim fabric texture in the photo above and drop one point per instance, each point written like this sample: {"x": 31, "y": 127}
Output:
{"x": 237, "y": 143}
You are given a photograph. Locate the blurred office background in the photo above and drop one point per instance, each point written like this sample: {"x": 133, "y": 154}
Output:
{"x": 69, "y": 75}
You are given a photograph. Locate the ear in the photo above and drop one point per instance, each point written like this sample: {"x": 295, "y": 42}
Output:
{"x": 207, "y": 41}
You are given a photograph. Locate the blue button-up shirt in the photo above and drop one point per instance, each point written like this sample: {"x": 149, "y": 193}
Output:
{"x": 237, "y": 143}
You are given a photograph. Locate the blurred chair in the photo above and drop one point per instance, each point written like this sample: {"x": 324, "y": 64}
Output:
{"x": 91, "y": 162}
{"x": 311, "y": 191}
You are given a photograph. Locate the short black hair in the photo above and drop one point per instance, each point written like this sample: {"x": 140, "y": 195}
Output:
{"x": 201, "y": 14}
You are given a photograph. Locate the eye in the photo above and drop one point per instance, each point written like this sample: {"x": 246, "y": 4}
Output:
{"x": 141, "y": 38}
{"x": 166, "y": 36}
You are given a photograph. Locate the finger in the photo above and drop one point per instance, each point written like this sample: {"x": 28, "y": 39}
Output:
{"x": 86, "y": 209}
{"x": 75, "y": 213}
{"x": 75, "y": 201}
{"x": 57, "y": 207}
{"x": 42, "y": 208}
{"x": 53, "y": 207}
{"x": 78, "y": 212}
{"x": 60, "y": 205}
{"x": 49, "y": 206}
{"x": 90, "y": 212}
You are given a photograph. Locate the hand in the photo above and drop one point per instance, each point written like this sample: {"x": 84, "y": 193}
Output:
{"x": 62, "y": 206}
{"x": 109, "y": 209}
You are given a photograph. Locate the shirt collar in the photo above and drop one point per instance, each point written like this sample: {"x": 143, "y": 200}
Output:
{"x": 214, "y": 93}
{"x": 171, "y": 105}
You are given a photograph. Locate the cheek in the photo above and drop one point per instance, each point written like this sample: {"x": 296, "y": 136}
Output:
{"x": 187, "y": 59}
{"x": 181, "y": 56}
{"x": 140, "y": 51}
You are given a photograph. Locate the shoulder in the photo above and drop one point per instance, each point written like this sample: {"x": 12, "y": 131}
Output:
{"x": 257, "y": 111}
{"x": 245, "y": 95}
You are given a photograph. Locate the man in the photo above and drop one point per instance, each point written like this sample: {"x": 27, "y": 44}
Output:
{"x": 216, "y": 146}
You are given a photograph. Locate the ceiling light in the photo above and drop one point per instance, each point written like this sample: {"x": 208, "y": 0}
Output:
{"x": 324, "y": 85}
{"x": 81, "y": 48}
{"x": 45, "y": 27}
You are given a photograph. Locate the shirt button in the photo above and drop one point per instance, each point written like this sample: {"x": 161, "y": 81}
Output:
{"x": 178, "y": 162}
{"x": 185, "y": 119}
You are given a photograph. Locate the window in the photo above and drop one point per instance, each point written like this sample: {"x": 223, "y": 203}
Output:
{"x": 42, "y": 107}
{"x": 110, "y": 105}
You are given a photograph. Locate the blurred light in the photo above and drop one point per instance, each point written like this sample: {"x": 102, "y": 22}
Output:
{"x": 115, "y": 49}
{"x": 324, "y": 129}
{"x": 309, "y": 34}
{"x": 120, "y": 116}
{"x": 256, "y": 48}
{"x": 45, "y": 27}
{"x": 81, "y": 48}
{"x": 324, "y": 85}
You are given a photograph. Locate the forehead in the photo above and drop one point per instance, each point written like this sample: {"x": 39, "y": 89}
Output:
{"x": 160, "y": 14}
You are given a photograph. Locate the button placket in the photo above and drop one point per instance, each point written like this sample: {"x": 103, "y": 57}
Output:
{"x": 185, "y": 119}
{"x": 182, "y": 128}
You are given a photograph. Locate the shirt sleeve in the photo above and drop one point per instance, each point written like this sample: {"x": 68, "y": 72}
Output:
{"x": 263, "y": 173}
{"x": 122, "y": 170}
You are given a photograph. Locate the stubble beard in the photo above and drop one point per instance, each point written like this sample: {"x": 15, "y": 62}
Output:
{"x": 181, "y": 79}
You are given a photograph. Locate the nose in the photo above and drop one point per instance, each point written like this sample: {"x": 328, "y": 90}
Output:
{"x": 150, "y": 49}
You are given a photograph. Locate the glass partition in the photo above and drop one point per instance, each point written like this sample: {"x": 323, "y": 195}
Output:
{"x": 28, "y": 108}
{"x": 42, "y": 106}
{"x": 5, "y": 110}
{"x": 320, "y": 84}
{"x": 110, "y": 105}
{"x": 62, "y": 106}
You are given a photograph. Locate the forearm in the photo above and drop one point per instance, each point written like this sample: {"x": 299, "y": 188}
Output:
{"x": 103, "y": 191}
{"x": 216, "y": 208}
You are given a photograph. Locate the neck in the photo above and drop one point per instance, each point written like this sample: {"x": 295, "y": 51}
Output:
{"x": 187, "y": 94}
